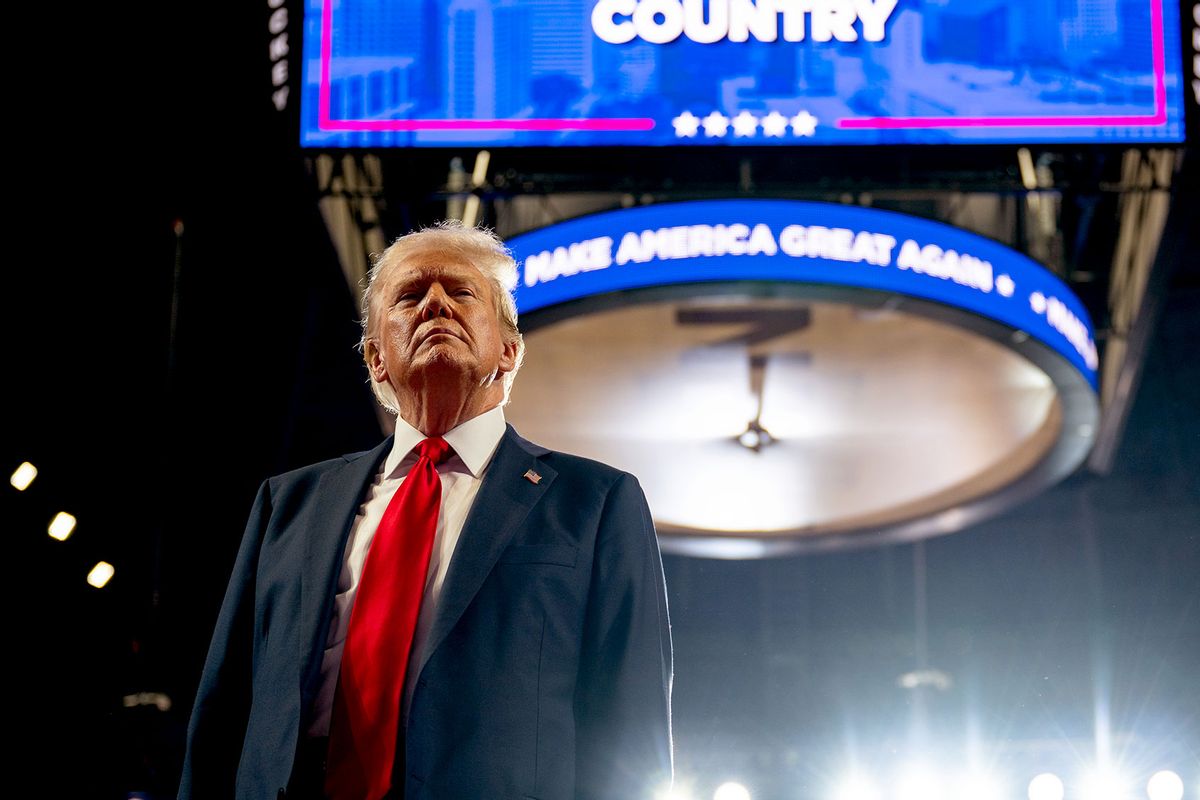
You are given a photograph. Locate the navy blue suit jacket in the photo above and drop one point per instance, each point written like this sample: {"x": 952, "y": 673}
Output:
{"x": 547, "y": 675}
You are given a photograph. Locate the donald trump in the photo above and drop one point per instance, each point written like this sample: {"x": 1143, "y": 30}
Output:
{"x": 457, "y": 614}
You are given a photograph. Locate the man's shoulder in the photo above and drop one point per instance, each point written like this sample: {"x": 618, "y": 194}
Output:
{"x": 569, "y": 464}
{"x": 311, "y": 473}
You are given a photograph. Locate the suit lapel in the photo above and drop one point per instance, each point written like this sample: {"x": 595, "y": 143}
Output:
{"x": 339, "y": 493}
{"x": 504, "y": 500}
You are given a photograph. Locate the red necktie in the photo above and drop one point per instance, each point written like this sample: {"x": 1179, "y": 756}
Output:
{"x": 366, "y": 706}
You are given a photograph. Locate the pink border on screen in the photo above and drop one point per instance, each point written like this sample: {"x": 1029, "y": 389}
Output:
{"x": 1159, "y": 117}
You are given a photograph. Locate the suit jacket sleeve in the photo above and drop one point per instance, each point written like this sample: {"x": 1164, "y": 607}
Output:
{"x": 623, "y": 696}
{"x": 218, "y": 724}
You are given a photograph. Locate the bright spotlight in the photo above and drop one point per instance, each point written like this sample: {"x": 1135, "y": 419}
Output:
{"x": 919, "y": 782}
{"x": 980, "y": 786}
{"x": 23, "y": 476}
{"x": 856, "y": 787}
{"x": 1165, "y": 785}
{"x": 100, "y": 574}
{"x": 679, "y": 790}
{"x": 731, "y": 791}
{"x": 61, "y": 526}
{"x": 1046, "y": 786}
{"x": 1105, "y": 784}
{"x": 672, "y": 794}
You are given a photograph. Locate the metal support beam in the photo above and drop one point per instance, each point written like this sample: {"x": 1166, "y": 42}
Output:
{"x": 351, "y": 189}
{"x": 1151, "y": 242}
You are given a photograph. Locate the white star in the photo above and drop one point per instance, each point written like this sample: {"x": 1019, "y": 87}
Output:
{"x": 745, "y": 124}
{"x": 804, "y": 124}
{"x": 686, "y": 124}
{"x": 1005, "y": 285}
{"x": 716, "y": 124}
{"x": 1037, "y": 301}
{"x": 774, "y": 124}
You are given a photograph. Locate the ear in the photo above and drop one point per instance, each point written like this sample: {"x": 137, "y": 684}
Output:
{"x": 374, "y": 361}
{"x": 508, "y": 357}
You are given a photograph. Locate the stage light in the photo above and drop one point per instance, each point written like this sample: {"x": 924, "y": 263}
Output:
{"x": 673, "y": 793}
{"x": 23, "y": 476}
{"x": 856, "y": 787}
{"x": 933, "y": 678}
{"x": 980, "y": 786}
{"x": 731, "y": 791}
{"x": 919, "y": 782}
{"x": 1105, "y": 783}
{"x": 1046, "y": 786}
{"x": 100, "y": 574}
{"x": 61, "y": 526}
{"x": 678, "y": 790}
{"x": 157, "y": 699}
{"x": 1165, "y": 785}
{"x": 755, "y": 437}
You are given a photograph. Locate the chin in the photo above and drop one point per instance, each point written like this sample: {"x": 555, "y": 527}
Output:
{"x": 442, "y": 360}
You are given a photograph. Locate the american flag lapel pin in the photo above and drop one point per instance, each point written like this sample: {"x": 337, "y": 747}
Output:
{"x": 532, "y": 477}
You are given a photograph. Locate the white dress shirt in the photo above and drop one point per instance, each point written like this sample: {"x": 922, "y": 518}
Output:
{"x": 473, "y": 444}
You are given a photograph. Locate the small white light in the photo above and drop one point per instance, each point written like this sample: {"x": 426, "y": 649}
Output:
{"x": 157, "y": 699}
{"x": 1105, "y": 783}
{"x": 731, "y": 791}
{"x": 749, "y": 439}
{"x": 980, "y": 786}
{"x": 1165, "y": 785}
{"x": 919, "y": 782}
{"x": 100, "y": 574}
{"x": 679, "y": 789}
{"x": 23, "y": 476}
{"x": 61, "y": 526}
{"x": 856, "y": 787}
{"x": 674, "y": 793}
{"x": 933, "y": 678}
{"x": 1046, "y": 786}
{"x": 755, "y": 437}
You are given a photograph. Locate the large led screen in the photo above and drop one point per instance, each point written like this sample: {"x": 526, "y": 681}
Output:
{"x": 436, "y": 73}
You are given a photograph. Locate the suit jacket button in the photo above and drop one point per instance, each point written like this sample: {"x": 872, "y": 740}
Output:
{"x": 281, "y": 794}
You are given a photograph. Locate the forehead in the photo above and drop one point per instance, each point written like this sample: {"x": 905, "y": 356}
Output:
{"x": 432, "y": 263}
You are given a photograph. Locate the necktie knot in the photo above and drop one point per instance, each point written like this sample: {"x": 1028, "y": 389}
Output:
{"x": 436, "y": 449}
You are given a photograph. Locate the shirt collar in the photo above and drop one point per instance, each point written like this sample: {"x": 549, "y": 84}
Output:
{"x": 474, "y": 442}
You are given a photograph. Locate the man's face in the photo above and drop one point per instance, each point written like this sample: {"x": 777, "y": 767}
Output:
{"x": 434, "y": 318}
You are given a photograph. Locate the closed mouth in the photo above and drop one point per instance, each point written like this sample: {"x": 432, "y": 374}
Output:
{"x": 439, "y": 332}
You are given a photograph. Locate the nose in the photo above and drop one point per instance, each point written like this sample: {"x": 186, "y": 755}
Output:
{"x": 436, "y": 303}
